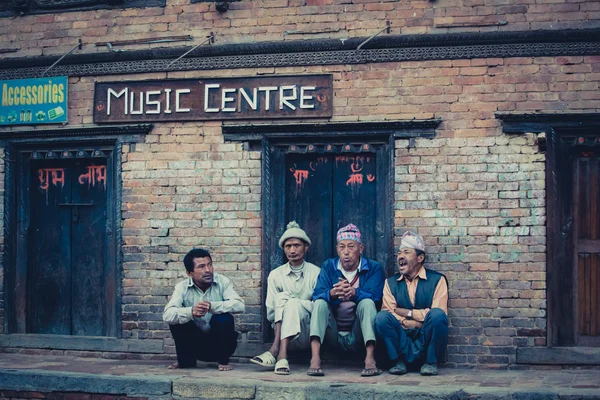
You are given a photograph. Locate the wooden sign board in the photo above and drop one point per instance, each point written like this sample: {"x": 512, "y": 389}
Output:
{"x": 274, "y": 97}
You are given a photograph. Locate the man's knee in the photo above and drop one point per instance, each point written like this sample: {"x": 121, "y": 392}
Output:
{"x": 292, "y": 305}
{"x": 320, "y": 306}
{"x": 222, "y": 321}
{"x": 383, "y": 321}
{"x": 437, "y": 317}
{"x": 366, "y": 306}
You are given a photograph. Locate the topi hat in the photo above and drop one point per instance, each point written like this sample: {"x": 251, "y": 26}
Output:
{"x": 293, "y": 231}
{"x": 349, "y": 232}
{"x": 411, "y": 240}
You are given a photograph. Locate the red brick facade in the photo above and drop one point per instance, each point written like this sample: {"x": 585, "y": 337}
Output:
{"x": 476, "y": 194}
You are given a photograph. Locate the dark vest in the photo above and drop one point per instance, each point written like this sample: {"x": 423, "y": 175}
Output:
{"x": 425, "y": 290}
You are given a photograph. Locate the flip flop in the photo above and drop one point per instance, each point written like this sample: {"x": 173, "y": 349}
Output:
{"x": 282, "y": 367}
{"x": 371, "y": 372}
{"x": 265, "y": 359}
{"x": 315, "y": 372}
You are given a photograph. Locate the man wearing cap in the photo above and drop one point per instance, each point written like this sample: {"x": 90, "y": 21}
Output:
{"x": 289, "y": 300}
{"x": 413, "y": 321}
{"x": 347, "y": 294}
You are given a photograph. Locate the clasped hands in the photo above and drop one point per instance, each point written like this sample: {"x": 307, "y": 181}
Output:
{"x": 342, "y": 290}
{"x": 200, "y": 309}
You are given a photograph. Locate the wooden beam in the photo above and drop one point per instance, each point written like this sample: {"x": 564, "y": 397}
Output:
{"x": 558, "y": 355}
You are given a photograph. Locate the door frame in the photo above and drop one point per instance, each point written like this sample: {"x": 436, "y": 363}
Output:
{"x": 266, "y": 137}
{"x": 17, "y": 149}
{"x": 562, "y": 132}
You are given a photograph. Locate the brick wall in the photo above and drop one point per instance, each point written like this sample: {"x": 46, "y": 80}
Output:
{"x": 476, "y": 195}
{"x": 185, "y": 188}
{"x": 480, "y": 206}
{"x": 260, "y": 20}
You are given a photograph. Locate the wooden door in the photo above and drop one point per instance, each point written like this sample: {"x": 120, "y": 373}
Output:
{"x": 586, "y": 199}
{"x": 325, "y": 192}
{"x": 66, "y": 256}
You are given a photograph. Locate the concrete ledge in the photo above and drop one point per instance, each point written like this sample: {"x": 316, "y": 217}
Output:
{"x": 558, "y": 355}
{"x": 89, "y": 343}
{"x": 51, "y": 381}
{"x": 207, "y": 387}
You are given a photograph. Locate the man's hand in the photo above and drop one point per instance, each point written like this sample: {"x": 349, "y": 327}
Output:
{"x": 200, "y": 309}
{"x": 342, "y": 290}
{"x": 348, "y": 293}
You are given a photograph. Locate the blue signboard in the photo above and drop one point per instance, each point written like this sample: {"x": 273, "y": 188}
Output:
{"x": 34, "y": 101}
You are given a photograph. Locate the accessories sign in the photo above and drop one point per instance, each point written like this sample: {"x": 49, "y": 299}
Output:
{"x": 34, "y": 101}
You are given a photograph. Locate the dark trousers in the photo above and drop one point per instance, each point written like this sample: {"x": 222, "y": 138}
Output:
{"x": 426, "y": 344}
{"x": 192, "y": 344}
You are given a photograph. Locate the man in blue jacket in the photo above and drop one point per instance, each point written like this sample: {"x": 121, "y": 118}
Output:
{"x": 346, "y": 298}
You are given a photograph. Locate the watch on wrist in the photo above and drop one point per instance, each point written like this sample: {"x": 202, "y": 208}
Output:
{"x": 409, "y": 315}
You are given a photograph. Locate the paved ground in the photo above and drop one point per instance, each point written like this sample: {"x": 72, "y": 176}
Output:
{"x": 152, "y": 379}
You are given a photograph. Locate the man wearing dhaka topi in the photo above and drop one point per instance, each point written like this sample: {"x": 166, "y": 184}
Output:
{"x": 413, "y": 321}
{"x": 346, "y": 297}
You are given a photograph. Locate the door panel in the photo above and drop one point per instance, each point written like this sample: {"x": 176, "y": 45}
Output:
{"x": 66, "y": 267}
{"x": 309, "y": 194}
{"x": 355, "y": 197}
{"x": 587, "y": 244}
{"x": 327, "y": 192}
{"x": 88, "y": 217}
{"x": 49, "y": 266}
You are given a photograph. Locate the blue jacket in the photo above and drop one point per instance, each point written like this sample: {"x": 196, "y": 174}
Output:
{"x": 370, "y": 285}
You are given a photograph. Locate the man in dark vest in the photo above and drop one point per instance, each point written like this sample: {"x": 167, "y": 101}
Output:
{"x": 413, "y": 321}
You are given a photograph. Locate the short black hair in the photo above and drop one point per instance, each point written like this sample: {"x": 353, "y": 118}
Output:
{"x": 419, "y": 252}
{"x": 188, "y": 260}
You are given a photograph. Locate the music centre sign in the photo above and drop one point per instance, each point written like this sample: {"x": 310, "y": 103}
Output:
{"x": 273, "y": 97}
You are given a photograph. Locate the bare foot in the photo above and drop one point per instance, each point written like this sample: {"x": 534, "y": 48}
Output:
{"x": 173, "y": 366}
{"x": 224, "y": 367}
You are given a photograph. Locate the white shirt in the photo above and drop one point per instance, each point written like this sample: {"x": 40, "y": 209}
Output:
{"x": 283, "y": 279}
{"x": 222, "y": 297}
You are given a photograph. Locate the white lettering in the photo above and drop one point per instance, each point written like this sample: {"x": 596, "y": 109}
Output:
{"x": 267, "y": 90}
{"x": 283, "y": 99}
{"x": 168, "y": 99}
{"x": 117, "y": 95}
{"x": 179, "y": 92}
{"x": 131, "y": 104}
{"x": 207, "y": 89}
{"x": 225, "y": 100}
{"x": 153, "y": 102}
{"x": 303, "y": 97}
{"x": 252, "y": 103}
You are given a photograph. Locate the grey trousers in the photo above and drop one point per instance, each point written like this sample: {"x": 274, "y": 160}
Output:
{"x": 324, "y": 326}
{"x": 294, "y": 316}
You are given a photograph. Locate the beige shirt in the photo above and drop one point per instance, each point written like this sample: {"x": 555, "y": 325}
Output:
{"x": 221, "y": 294}
{"x": 283, "y": 280}
{"x": 440, "y": 300}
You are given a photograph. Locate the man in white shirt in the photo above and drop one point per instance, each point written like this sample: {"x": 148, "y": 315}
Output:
{"x": 199, "y": 314}
{"x": 289, "y": 300}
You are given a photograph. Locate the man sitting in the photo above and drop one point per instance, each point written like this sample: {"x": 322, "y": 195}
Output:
{"x": 199, "y": 314}
{"x": 347, "y": 292}
{"x": 413, "y": 322}
{"x": 289, "y": 300}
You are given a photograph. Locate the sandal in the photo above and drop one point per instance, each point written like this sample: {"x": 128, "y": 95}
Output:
{"x": 282, "y": 367}
{"x": 371, "y": 372}
{"x": 315, "y": 372}
{"x": 265, "y": 359}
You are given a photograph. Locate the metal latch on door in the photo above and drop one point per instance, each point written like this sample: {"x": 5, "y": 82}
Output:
{"x": 75, "y": 215}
